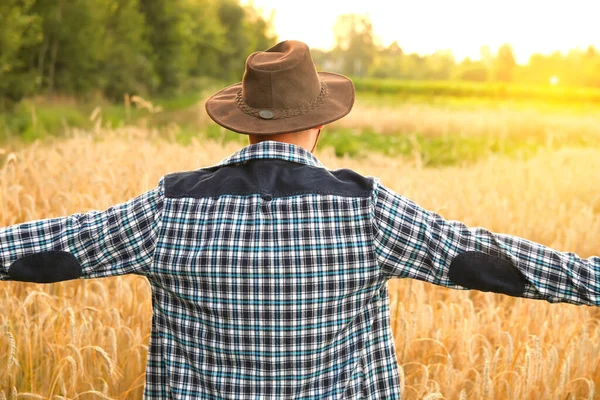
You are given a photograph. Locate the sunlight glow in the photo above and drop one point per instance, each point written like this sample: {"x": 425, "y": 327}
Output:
{"x": 462, "y": 26}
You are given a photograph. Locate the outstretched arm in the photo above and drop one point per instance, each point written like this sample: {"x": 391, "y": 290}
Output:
{"x": 412, "y": 242}
{"x": 119, "y": 240}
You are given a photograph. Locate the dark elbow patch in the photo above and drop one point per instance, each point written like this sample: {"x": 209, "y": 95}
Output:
{"x": 45, "y": 267}
{"x": 475, "y": 270}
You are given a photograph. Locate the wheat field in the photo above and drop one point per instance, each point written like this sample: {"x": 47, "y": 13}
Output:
{"x": 88, "y": 339}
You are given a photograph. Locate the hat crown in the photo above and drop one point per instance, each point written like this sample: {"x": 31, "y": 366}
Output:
{"x": 282, "y": 77}
{"x": 281, "y": 92}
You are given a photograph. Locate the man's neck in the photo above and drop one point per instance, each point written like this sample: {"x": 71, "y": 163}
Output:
{"x": 302, "y": 139}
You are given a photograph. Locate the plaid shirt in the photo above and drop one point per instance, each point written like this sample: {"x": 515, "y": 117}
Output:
{"x": 269, "y": 273}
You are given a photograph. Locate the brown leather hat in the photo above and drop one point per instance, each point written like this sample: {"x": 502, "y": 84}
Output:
{"x": 281, "y": 92}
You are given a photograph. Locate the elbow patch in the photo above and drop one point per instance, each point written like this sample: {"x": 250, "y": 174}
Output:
{"x": 45, "y": 267}
{"x": 480, "y": 271}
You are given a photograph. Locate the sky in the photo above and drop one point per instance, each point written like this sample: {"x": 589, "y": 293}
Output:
{"x": 463, "y": 26}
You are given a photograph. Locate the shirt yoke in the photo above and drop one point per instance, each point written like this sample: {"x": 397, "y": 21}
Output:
{"x": 270, "y": 178}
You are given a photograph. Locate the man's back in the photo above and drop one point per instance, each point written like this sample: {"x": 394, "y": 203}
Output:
{"x": 266, "y": 285}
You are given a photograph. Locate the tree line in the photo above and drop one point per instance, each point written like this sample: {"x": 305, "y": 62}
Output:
{"x": 165, "y": 47}
{"x": 80, "y": 47}
{"x": 357, "y": 53}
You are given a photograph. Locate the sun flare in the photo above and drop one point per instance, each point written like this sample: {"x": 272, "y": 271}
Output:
{"x": 462, "y": 26}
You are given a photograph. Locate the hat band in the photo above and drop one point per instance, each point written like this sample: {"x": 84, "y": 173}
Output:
{"x": 282, "y": 112}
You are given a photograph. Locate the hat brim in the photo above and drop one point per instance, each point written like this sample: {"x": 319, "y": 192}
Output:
{"x": 224, "y": 110}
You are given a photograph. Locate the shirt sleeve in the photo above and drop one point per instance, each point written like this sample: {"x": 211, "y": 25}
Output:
{"x": 119, "y": 240}
{"x": 411, "y": 242}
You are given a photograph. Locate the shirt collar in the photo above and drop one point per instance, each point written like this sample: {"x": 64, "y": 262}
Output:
{"x": 272, "y": 149}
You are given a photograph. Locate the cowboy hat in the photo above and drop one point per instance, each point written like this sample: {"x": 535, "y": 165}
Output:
{"x": 281, "y": 92}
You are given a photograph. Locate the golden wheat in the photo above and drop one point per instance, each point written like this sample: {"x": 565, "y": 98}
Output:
{"x": 88, "y": 339}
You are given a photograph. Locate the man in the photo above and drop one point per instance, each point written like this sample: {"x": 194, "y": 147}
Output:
{"x": 268, "y": 271}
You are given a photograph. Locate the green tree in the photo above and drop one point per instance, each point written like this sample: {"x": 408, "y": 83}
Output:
{"x": 475, "y": 71}
{"x": 92, "y": 45}
{"x": 542, "y": 67}
{"x": 505, "y": 65}
{"x": 355, "y": 44}
{"x": 69, "y": 57}
{"x": 231, "y": 59}
{"x": 440, "y": 65}
{"x": 592, "y": 67}
{"x": 114, "y": 47}
{"x": 388, "y": 62}
{"x": 207, "y": 36}
{"x": 414, "y": 67}
{"x": 20, "y": 28}
{"x": 245, "y": 32}
{"x": 170, "y": 41}
{"x": 126, "y": 65}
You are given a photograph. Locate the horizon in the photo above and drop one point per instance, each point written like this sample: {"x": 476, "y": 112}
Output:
{"x": 533, "y": 25}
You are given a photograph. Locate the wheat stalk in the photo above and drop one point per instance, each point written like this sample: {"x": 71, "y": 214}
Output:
{"x": 95, "y": 393}
{"x": 487, "y": 381}
{"x": 30, "y": 396}
{"x": 12, "y": 353}
{"x": 72, "y": 321}
{"x": 113, "y": 371}
{"x": 78, "y": 358}
{"x": 112, "y": 341}
{"x": 433, "y": 396}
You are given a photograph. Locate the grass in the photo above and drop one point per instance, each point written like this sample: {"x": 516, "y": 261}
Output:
{"x": 37, "y": 118}
{"x": 436, "y": 151}
{"x": 89, "y": 338}
{"x": 499, "y": 91}
{"x": 439, "y": 123}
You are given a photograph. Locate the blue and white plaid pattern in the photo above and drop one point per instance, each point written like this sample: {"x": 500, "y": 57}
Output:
{"x": 283, "y": 299}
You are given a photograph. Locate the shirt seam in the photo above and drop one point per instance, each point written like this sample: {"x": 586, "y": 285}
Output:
{"x": 376, "y": 187}
{"x": 361, "y": 195}
{"x": 159, "y": 225}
